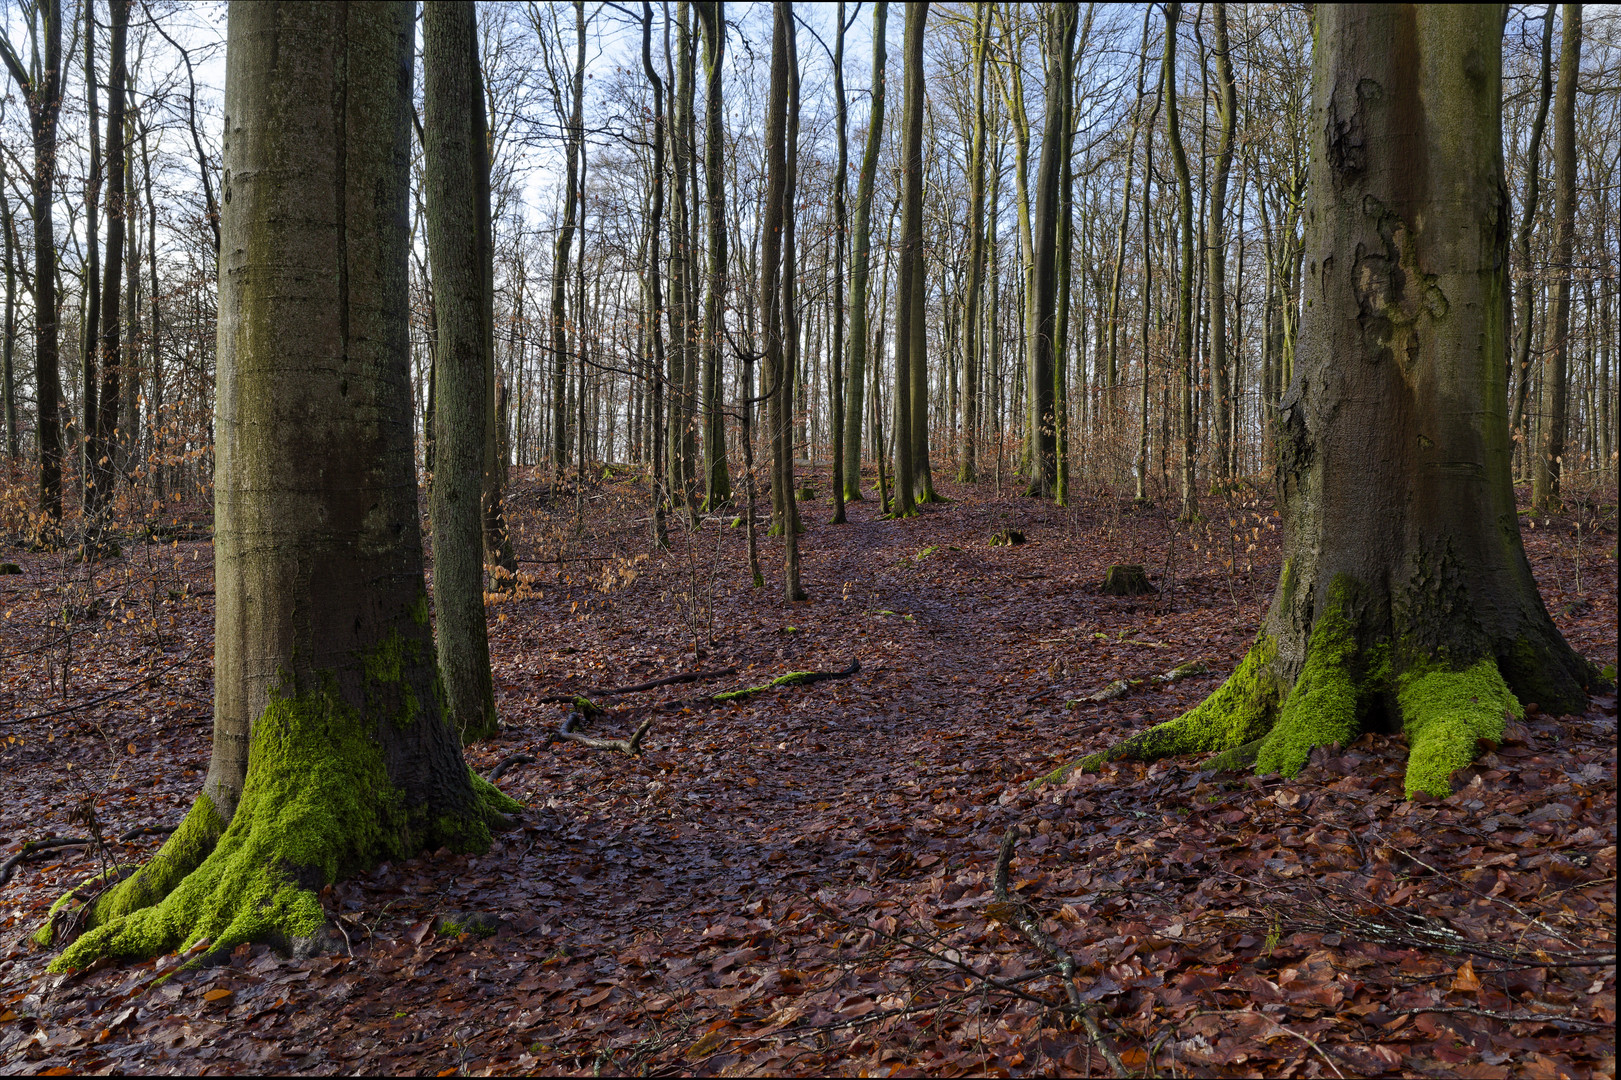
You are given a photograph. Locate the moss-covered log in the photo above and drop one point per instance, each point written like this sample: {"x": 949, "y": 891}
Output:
{"x": 1406, "y": 601}
{"x": 331, "y": 748}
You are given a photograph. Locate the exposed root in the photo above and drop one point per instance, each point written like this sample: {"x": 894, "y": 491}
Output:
{"x": 631, "y": 746}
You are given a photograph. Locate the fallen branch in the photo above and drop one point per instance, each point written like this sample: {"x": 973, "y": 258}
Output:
{"x": 792, "y": 678}
{"x": 686, "y": 676}
{"x": 1120, "y": 687}
{"x": 35, "y": 848}
{"x": 1018, "y": 916}
{"x": 504, "y": 764}
{"x": 631, "y": 746}
{"x": 1554, "y": 1019}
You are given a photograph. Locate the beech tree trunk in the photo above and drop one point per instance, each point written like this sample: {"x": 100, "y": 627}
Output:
{"x": 451, "y": 152}
{"x": 331, "y": 752}
{"x": 717, "y": 480}
{"x": 44, "y": 96}
{"x": 1405, "y": 598}
{"x": 560, "y": 252}
{"x": 100, "y": 428}
{"x": 1548, "y": 463}
{"x": 860, "y": 265}
{"x": 909, "y": 291}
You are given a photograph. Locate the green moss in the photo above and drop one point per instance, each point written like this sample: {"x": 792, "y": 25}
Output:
{"x": 1322, "y": 706}
{"x": 419, "y": 610}
{"x": 1446, "y": 714}
{"x": 790, "y": 679}
{"x": 491, "y": 798}
{"x": 1238, "y": 712}
{"x": 317, "y": 804}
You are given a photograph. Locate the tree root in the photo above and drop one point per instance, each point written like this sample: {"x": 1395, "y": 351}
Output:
{"x": 1018, "y": 915}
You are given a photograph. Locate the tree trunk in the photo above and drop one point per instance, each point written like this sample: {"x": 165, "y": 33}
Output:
{"x": 561, "y": 248}
{"x": 1549, "y": 462}
{"x": 655, "y": 298}
{"x": 973, "y": 343}
{"x": 101, "y": 428}
{"x": 1184, "y": 303}
{"x": 840, "y": 226}
{"x": 1521, "y": 376}
{"x": 330, "y": 750}
{"x": 909, "y": 293}
{"x": 8, "y": 380}
{"x": 860, "y": 264}
{"x": 1049, "y": 199}
{"x": 451, "y": 175}
{"x": 717, "y": 480}
{"x": 1216, "y": 250}
{"x": 1111, "y": 364}
{"x": 1406, "y": 598}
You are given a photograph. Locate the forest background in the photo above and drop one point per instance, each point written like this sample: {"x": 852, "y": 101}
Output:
{"x": 1128, "y": 416}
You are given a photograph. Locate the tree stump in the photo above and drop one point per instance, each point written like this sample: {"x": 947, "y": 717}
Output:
{"x": 1126, "y": 580}
{"x": 1006, "y": 538}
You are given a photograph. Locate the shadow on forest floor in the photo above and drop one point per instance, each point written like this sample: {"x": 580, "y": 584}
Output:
{"x": 802, "y": 881}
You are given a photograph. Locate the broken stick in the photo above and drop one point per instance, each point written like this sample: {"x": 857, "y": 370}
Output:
{"x": 1016, "y": 914}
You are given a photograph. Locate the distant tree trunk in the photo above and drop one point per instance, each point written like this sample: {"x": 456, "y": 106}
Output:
{"x": 90, "y": 328}
{"x": 1111, "y": 363}
{"x": 44, "y": 98}
{"x": 775, "y": 285}
{"x": 791, "y": 526}
{"x": 1523, "y": 312}
{"x": 330, "y": 750}
{"x": 718, "y": 482}
{"x": 101, "y": 429}
{"x": 1548, "y": 464}
{"x": 561, "y": 248}
{"x": 1140, "y": 496}
{"x": 840, "y": 226}
{"x": 910, "y": 327}
{"x": 860, "y": 263}
{"x": 1184, "y": 308}
{"x": 1216, "y": 273}
{"x": 973, "y": 339}
{"x": 655, "y": 299}
{"x": 8, "y": 379}
{"x": 452, "y": 153}
{"x": 1049, "y": 182}
{"x": 1405, "y": 596}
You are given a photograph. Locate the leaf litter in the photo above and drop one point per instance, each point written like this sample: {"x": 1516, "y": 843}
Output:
{"x": 803, "y": 879}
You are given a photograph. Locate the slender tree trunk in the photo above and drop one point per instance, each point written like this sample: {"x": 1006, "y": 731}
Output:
{"x": 840, "y": 228}
{"x": 330, "y": 750}
{"x": 655, "y": 299}
{"x": 909, "y": 293}
{"x": 452, "y": 152}
{"x": 1549, "y": 462}
{"x": 1184, "y": 308}
{"x": 718, "y": 482}
{"x": 1216, "y": 273}
{"x": 973, "y": 339}
{"x": 8, "y": 380}
{"x": 1140, "y": 497}
{"x": 1060, "y": 36}
{"x": 561, "y": 248}
{"x": 1526, "y": 298}
{"x": 860, "y": 263}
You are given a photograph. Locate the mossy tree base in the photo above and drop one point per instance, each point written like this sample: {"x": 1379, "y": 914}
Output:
{"x": 1347, "y": 684}
{"x": 318, "y": 804}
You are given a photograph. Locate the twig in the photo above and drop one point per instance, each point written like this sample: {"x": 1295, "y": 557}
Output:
{"x": 1519, "y": 1018}
{"x": 143, "y": 680}
{"x": 34, "y": 848}
{"x": 1017, "y": 916}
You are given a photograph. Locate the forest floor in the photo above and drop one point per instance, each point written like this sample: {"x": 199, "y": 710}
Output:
{"x": 803, "y": 881}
